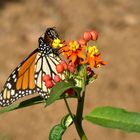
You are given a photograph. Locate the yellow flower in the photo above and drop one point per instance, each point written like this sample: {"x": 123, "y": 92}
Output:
{"x": 57, "y": 43}
{"x": 93, "y": 57}
{"x": 92, "y": 50}
{"x": 73, "y": 46}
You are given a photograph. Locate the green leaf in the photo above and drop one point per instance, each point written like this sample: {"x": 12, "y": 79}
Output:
{"x": 57, "y": 91}
{"x": 56, "y": 132}
{"x": 29, "y": 102}
{"x": 115, "y": 118}
{"x": 66, "y": 121}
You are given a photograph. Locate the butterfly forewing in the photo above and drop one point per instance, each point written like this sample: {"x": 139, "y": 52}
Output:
{"x": 20, "y": 83}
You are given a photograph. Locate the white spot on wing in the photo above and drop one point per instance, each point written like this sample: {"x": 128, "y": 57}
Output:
{"x": 14, "y": 76}
{"x": 9, "y": 85}
{"x": 12, "y": 92}
{"x": 9, "y": 79}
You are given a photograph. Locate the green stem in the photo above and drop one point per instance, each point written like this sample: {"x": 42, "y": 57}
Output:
{"x": 78, "y": 119}
{"x": 67, "y": 105}
{"x": 79, "y": 113}
{"x": 78, "y": 124}
{"x": 80, "y": 107}
{"x": 80, "y": 130}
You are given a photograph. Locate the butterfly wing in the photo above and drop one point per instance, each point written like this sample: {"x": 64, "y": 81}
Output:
{"x": 27, "y": 77}
{"x": 21, "y": 82}
{"x": 43, "y": 66}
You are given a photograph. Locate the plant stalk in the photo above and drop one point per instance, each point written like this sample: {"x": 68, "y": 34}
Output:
{"x": 79, "y": 113}
{"x": 80, "y": 108}
{"x": 77, "y": 119}
{"x": 69, "y": 110}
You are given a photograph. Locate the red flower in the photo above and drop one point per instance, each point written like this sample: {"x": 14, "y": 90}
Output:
{"x": 71, "y": 67}
{"x": 49, "y": 84}
{"x": 59, "y": 68}
{"x": 64, "y": 64}
{"x": 57, "y": 78}
{"x": 46, "y": 78}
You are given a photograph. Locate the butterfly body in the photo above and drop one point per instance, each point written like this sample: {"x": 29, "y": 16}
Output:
{"x": 26, "y": 79}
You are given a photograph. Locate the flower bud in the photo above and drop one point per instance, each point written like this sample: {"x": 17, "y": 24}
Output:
{"x": 57, "y": 78}
{"x": 94, "y": 35}
{"x": 82, "y": 42}
{"x": 59, "y": 68}
{"x": 49, "y": 84}
{"x": 87, "y": 36}
{"x": 71, "y": 67}
{"x": 46, "y": 78}
{"x": 64, "y": 64}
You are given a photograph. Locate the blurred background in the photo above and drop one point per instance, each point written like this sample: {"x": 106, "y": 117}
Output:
{"x": 118, "y": 83}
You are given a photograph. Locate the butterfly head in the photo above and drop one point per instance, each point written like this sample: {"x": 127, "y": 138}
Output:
{"x": 50, "y": 35}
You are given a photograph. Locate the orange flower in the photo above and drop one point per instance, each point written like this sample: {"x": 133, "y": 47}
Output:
{"x": 94, "y": 61}
{"x": 73, "y": 51}
{"x": 93, "y": 57}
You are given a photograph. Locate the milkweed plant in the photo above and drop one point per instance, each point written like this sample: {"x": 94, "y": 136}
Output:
{"x": 75, "y": 71}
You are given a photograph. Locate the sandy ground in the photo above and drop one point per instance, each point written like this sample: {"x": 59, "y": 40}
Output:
{"x": 118, "y": 84}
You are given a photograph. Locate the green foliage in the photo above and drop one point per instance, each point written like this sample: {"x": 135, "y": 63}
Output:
{"x": 66, "y": 121}
{"x": 58, "y": 130}
{"x": 115, "y": 118}
{"x": 58, "y": 90}
{"x": 26, "y": 103}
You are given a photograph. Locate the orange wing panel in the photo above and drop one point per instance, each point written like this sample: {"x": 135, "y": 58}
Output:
{"x": 25, "y": 80}
{"x": 31, "y": 76}
{"x": 27, "y": 64}
{"x": 19, "y": 83}
{"x": 26, "y": 74}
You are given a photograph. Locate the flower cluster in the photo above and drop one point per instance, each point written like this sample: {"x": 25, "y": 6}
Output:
{"x": 78, "y": 52}
{"x": 74, "y": 55}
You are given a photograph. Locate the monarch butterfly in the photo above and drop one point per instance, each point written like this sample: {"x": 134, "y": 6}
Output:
{"x": 26, "y": 79}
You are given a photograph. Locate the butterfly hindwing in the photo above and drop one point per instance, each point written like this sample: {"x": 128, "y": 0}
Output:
{"x": 20, "y": 83}
{"x": 45, "y": 65}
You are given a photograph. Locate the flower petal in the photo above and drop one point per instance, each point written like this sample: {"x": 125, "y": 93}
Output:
{"x": 73, "y": 58}
{"x": 81, "y": 55}
{"x": 91, "y": 62}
